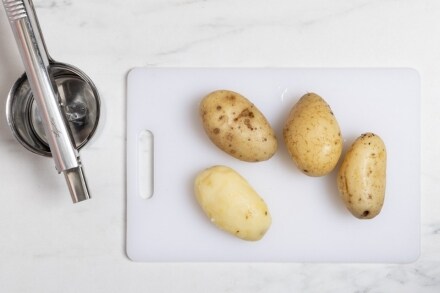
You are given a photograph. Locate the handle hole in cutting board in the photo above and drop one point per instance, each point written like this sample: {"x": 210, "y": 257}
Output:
{"x": 145, "y": 162}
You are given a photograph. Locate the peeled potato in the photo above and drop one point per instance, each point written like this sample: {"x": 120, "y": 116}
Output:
{"x": 231, "y": 203}
{"x": 362, "y": 176}
{"x": 237, "y": 127}
{"x": 312, "y": 136}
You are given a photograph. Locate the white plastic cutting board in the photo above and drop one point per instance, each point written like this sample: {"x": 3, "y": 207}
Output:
{"x": 309, "y": 221}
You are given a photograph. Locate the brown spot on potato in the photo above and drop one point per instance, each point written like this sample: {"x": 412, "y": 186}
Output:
{"x": 216, "y": 131}
{"x": 245, "y": 113}
{"x": 219, "y": 108}
{"x": 247, "y": 122}
{"x": 365, "y": 213}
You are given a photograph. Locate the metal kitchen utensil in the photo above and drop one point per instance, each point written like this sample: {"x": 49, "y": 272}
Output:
{"x": 53, "y": 109}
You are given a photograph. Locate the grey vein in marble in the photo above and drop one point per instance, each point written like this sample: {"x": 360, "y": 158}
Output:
{"x": 193, "y": 43}
{"x": 51, "y": 4}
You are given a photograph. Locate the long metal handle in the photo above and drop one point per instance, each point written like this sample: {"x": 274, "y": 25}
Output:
{"x": 35, "y": 58}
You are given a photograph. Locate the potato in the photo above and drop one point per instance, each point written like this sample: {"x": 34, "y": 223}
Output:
{"x": 362, "y": 176}
{"x": 231, "y": 203}
{"x": 312, "y": 136}
{"x": 237, "y": 127}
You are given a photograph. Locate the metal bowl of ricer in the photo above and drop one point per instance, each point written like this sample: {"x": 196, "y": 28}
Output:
{"x": 79, "y": 99}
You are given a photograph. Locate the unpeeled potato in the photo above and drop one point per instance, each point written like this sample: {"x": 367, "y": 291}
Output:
{"x": 237, "y": 127}
{"x": 362, "y": 176}
{"x": 312, "y": 136}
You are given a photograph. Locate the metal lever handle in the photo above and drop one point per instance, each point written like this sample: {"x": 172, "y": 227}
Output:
{"x": 35, "y": 58}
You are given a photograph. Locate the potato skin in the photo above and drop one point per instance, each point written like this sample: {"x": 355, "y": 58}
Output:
{"x": 312, "y": 136}
{"x": 362, "y": 176}
{"x": 237, "y": 127}
{"x": 231, "y": 203}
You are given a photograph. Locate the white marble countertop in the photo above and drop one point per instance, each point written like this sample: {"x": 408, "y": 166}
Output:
{"x": 49, "y": 245}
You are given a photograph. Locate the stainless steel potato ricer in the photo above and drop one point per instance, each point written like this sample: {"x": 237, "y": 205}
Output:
{"x": 53, "y": 108}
